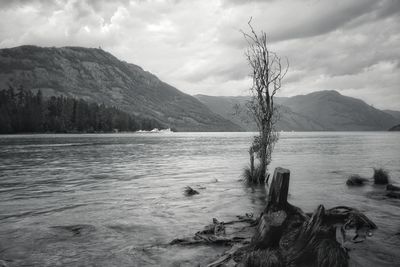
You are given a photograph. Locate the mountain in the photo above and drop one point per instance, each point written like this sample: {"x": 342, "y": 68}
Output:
{"x": 225, "y": 106}
{"x": 394, "y": 113}
{"x": 322, "y": 110}
{"x": 97, "y": 76}
{"x": 338, "y": 112}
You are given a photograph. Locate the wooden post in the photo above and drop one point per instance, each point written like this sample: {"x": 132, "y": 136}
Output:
{"x": 269, "y": 229}
{"x": 279, "y": 189}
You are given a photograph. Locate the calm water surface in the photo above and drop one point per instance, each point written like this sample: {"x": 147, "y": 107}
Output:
{"x": 98, "y": 200}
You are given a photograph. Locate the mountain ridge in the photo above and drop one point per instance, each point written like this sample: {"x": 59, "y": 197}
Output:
{"x": 96, "y": 75}
{"x": 325, "y": 110}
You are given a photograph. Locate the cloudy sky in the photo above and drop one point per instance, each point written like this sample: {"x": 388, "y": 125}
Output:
{"x": 352, "y": 46}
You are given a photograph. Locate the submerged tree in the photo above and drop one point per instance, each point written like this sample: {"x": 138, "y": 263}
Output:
{"x": 267, "y": 74}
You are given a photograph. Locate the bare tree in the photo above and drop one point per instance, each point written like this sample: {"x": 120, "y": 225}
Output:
{"x": 267, "y": 74}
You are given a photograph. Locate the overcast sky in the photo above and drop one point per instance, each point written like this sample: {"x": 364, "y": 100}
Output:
{"x": 351, "y": 46}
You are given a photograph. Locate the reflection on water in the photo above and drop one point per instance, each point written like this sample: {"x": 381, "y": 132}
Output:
{"x": 99, "y": 199}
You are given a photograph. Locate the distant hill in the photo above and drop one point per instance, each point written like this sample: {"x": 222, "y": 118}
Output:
{"x": 97, "y": 76}
{"x": 225, "y": 106}
{"x": 337, "y": 112}
{"x": 395, "y": 128}
{"x": 394, "y": 113}
{"x": 322, "y": 110}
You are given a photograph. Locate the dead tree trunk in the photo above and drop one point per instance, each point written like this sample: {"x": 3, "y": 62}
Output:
{"x": 251, "y": 152}
{"x": 263, "y": 164}
{"x": 267, "y": 72}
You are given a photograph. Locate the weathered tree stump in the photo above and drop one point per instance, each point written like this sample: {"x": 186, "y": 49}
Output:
{"x": 269, "y": 229}
{"x": 298, "y": 239}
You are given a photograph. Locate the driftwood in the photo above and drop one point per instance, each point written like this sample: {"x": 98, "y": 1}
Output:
{"x": 215, "y": 233}
{"x": 226, "y": 258}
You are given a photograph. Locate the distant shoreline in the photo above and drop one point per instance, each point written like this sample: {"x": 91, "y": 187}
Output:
{"x": 137, "y": 132}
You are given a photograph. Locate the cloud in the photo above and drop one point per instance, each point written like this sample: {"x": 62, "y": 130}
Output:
{"x": 350, "y": 46}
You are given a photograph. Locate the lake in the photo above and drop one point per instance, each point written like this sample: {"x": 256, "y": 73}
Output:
{"x": 100, "y": 199}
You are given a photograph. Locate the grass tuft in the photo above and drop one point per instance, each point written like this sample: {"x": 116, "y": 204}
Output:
{"x": 381, "y": 176}
{"x": 252, "y": 178}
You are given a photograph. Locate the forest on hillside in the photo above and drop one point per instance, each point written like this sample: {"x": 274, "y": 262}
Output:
{"x": 22, "y": 111}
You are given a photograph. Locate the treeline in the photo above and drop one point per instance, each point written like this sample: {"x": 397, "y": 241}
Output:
{"x": 22, "y": 111}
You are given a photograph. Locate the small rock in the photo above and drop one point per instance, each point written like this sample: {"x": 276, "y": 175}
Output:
{"x": 393, "y": 194}
{"x": 391, "y": 187}
{"x": 356, "y": 180}
{"x": 190, "y": 191}
{"x": 76, "y": 229}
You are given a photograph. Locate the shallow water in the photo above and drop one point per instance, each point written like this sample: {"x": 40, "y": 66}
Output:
{"x": 98, "y": 200}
